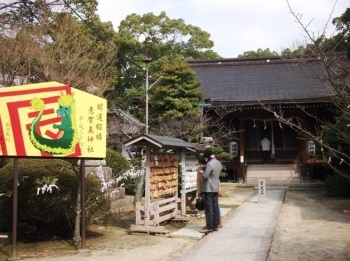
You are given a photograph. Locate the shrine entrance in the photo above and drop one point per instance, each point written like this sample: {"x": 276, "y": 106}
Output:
{"x": 285, "y": 145}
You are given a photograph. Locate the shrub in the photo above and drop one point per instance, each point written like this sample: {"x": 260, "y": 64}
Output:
{"x": 117, "y": 162}
{"x": 45, "y": 215}
{"x": 121, "y": 170}
{"x": 3, "y": 161}
{"x": 337, "y": 185}
{"x": 221, "y": 155}
{"x": 129, "y": 184}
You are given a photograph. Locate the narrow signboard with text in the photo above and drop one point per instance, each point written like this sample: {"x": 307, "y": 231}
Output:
{"x": 262, "y": 188}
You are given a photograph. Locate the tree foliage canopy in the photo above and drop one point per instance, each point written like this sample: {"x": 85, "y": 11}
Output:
{"x": 167, "y": 42}
{"x": 258, "y": 53}
{"x": 43, "y": 41}
{"x": 159, "y": 38}
{"x": 178, "y": 94}
{"x": 176, "y": 101}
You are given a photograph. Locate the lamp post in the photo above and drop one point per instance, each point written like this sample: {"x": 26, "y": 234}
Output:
{"x": 147, "y": 60}
{"x": 202, "y": 105}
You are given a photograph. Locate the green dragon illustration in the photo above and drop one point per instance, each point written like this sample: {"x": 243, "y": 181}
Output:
{"x": 66, "y": 142}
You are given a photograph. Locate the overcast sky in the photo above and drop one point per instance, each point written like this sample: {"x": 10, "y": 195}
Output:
{"x": 236, "y": 26}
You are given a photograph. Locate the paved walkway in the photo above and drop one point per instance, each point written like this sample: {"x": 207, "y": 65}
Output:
{"x": 246, "y": 235}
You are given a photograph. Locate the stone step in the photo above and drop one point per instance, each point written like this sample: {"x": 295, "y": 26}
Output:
{"x": 272, "y": 167}
{"x": 4, "y": 239}
{"x": 276, "y": 171}
{"x": 272, "y": 174}
{"x": 268, "y": 182}
{"x": 275, "y": 178}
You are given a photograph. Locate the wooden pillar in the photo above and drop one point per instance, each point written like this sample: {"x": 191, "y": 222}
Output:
{"x": 242, "y": 159}
{"x": 14, "y": 211}
{"x": 303, "y": 158}
{"x": 183, "y": 190}
{"x": 83, "y": 204}
{"x": 147, "y": 214}
{"x": 303, "y": 154}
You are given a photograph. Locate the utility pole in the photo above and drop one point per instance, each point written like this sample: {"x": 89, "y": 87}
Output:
{"x": 147, "y": 60}
{"x": 202, "y": 105}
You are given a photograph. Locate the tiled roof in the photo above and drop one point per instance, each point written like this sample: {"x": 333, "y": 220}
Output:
{"x": 129, "y": 125}
{"x": 126, "y": 116}
{"x": 159, "y": 141}
{"x": 265, "y": 80}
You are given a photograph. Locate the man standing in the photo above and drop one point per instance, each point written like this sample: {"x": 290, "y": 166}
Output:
{"x": 265, "y": 146}
{"x": 210, "y": 191}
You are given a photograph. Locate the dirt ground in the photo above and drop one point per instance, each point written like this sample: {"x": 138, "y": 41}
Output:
{"x": 311, "y": 227}
{"x": 107, "y": 243}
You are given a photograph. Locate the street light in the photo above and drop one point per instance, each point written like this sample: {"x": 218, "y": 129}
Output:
{"x": 147, "y": 61}
{"x": 202, "y": 105}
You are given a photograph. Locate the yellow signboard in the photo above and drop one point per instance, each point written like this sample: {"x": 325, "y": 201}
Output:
{"x": 52, "y": 120}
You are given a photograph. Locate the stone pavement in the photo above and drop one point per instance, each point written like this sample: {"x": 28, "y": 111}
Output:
{"x": 246, "y": 235}
{"x": 192, "y": 231}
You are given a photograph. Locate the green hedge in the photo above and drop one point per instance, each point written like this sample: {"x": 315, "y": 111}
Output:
{"x": 117, "y": 162}
{"x": 3, "y": 161}
{"x": 337, "y": 185}
{"x": 46, "y": 215}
